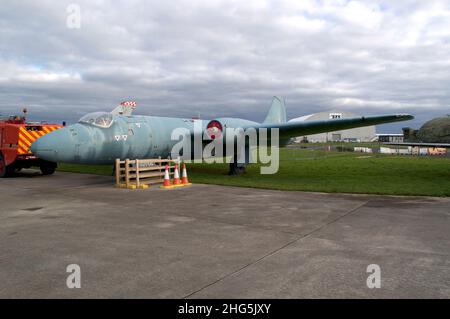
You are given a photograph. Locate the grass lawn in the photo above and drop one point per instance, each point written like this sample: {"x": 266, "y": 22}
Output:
{"x": 86, "y": 169}
{"x": 336, "y": 144}
{"x": 322, "y": 171}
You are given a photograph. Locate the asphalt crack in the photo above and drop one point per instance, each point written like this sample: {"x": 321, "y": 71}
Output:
{"x": 273, "y": 252}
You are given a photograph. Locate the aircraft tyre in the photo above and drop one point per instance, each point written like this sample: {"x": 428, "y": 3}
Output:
{"x": 236, "y": 169}
{"x": 47, "y": 168}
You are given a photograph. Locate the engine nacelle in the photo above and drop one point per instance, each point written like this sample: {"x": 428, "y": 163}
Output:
{"x": 214, "y": 129}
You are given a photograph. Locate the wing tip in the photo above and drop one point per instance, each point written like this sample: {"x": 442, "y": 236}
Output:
{"x": 405, "y": 116}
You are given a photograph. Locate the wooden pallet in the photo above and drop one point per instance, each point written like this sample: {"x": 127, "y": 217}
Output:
{"x": 141, "y": 173}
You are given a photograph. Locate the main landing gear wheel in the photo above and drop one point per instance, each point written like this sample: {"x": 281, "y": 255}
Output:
{"x": 236, "y": 169}
{"x": 47, "y": 168}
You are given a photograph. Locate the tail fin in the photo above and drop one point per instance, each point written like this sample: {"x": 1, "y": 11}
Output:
{"x": 277, "y": 112}
{"x": 124, "y": 108}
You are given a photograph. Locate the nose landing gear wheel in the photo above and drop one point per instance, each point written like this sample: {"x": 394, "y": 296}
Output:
{"x": 47, "y": 168}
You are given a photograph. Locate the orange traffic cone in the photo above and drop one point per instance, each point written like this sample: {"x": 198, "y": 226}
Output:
{"x": 184, "y": 178}
{"x": 166, "y": 183}
{"x": 176, "y": 177}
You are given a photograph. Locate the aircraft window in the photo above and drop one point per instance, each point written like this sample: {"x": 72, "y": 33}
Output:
{"x": 100, "y": 119}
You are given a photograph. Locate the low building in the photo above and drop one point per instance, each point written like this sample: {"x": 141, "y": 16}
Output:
{"x": 361, "y": 134}
{"x": 390, "y": 138}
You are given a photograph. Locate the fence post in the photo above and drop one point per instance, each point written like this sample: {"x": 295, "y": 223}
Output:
{"x": 117, "y": 172}
{"x": 127, "y": 172}
{"x": 137, "y": 173}
{"x": 160, "y": 166}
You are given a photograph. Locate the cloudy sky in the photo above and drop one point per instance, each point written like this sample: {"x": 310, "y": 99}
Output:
{"x": 225, "y": 58}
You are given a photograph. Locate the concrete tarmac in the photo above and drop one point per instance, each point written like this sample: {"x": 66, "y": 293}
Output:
{"x": 208, "y": 241}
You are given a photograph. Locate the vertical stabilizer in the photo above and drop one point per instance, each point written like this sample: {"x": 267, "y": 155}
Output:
{"x": 277, "y": 112}
{"x": 124, "y": 108}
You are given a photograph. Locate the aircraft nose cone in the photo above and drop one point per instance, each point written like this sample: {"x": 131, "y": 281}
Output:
{"x": 56, "y": 146}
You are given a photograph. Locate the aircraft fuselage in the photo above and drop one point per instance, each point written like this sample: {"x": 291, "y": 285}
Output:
{"x": 127, "y": 137}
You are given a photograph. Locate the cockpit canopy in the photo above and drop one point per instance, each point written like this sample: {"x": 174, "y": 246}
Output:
{"x": 100, "y": 119}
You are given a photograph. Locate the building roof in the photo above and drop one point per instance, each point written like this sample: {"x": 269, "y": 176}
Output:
{"x": 325, "y": 113}
{"x": 301, "y": 118}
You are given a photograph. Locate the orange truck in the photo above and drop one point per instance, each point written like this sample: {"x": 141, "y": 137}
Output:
{"x": 16, "y": 137}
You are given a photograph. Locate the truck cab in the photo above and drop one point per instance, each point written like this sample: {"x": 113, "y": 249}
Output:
{"x": 16, "y": 137}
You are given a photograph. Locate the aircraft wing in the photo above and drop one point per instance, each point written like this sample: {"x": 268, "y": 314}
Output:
{"x": 288, "y": 130}
{"x": 276, "y": 118}
{"x": 301, "y": 128}
{"x": 439, "y": 145}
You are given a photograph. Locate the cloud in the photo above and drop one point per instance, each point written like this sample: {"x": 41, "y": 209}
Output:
{"x": 226, "y": 58}
{"x": 14, "y": 73}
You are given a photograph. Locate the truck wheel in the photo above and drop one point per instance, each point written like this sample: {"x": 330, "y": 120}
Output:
{"x": 47, "y": 168}
{"x": 2, "y": 167}
{"x": 5, "y": 170}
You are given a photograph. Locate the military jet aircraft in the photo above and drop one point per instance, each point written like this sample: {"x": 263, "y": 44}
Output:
{"x": 101, "y": 137}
